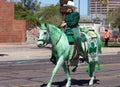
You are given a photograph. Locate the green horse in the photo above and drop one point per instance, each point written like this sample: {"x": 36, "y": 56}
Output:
{"x": 63, "y": 51}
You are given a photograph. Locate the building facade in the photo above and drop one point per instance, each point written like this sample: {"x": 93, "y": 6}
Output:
{"x": 98, "y": 10}
{"x": 11, "y": 30}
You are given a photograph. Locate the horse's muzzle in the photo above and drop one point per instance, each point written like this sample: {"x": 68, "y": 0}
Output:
{"x": 39, "y": 45}
{"x": 40, "y": 42}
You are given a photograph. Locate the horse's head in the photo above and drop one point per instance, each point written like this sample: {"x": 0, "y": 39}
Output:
{"x": 43, "y": 35}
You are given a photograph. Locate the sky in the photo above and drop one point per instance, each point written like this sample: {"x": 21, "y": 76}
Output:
{"x": 83, "y": 5}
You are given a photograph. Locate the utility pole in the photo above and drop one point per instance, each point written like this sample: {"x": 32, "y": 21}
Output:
{"x": 79, "y": 6}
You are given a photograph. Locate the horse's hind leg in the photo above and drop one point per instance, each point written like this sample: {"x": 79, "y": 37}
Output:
{"x": 67, "y": 72}
{"x": 91, "y": 66}
{"x": 55, "y": 70}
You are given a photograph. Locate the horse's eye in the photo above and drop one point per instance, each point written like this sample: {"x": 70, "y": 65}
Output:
{"x": 45, "y": 32}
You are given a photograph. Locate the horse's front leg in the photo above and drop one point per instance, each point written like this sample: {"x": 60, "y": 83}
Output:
{"x": 55, "y": 70}
{"x": 91, "y": 66}
{"x": 67, "y": 72}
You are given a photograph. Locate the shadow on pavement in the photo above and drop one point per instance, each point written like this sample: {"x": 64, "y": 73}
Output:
{"x": 3, "y": 54}
{"x": 73, "y": 83}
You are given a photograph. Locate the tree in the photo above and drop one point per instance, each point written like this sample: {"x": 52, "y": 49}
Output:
{"x": 104, "y": 2}
{"x": 51, "y": 14}
{"x": 31, "y": 4}
{"x": 114, "y": 18}
{"x": 28, "y": 12}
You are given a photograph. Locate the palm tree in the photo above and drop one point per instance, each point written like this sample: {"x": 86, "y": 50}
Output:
{"x": 104, "y": 2}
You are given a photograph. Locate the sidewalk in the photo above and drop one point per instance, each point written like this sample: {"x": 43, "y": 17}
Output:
{"x": 31, "y": 52}
{"x": 110, "y": 50}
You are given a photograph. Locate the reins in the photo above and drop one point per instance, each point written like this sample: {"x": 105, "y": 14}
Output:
{"x": 59, "y": 39}
{"x": 48, "y": 29}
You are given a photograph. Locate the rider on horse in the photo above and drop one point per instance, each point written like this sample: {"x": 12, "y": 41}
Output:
{"x": 72, "y": 28}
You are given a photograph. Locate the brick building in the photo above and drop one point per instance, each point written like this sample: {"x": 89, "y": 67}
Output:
{"x": 11, "y": 30}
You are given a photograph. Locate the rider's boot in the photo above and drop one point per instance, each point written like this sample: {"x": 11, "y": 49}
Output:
{"x": 53, "y": 59}
{"x": 81, "y": 56}
{"x": 81, "y": 59}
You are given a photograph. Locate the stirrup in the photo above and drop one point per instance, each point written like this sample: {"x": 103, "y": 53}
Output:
{"x": 53, "y": 60}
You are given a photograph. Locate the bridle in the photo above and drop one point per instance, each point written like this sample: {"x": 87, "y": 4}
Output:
{"x": 46, "y": 41}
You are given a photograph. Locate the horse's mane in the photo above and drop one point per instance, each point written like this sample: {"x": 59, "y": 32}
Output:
{"x": 54, "y": 28}
{"x": 54, "y": 32}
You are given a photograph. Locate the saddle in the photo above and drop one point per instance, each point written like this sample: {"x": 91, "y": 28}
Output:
{"x": 92, "y": 34}
{"x": 70, "y": 37}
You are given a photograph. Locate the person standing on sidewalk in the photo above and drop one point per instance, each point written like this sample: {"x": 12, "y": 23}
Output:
{"x": 107, "y": 37}
{"x": 116, "y": 35}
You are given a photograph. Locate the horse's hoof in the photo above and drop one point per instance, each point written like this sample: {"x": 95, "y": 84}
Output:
{"x": 91, "y": 82}
{"x": 68, "y": 84}
{"x": 48, "y": 85}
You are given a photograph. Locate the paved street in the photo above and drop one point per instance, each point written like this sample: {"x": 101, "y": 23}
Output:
{"x": 36, "y": 73}
{"x": 29, "y": 66}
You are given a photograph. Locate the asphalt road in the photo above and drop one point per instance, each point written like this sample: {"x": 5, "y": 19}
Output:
{"x": 36, "y": 73}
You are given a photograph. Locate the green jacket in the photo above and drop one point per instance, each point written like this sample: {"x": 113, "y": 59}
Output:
{"x": 72, "y": 19}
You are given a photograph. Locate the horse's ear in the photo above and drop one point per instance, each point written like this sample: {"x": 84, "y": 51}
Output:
{"x": 40, "y": 25}
{"x": 47, "y": 26}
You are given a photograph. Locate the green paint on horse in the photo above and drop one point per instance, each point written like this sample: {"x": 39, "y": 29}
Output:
{"x": 63, "y": 51}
